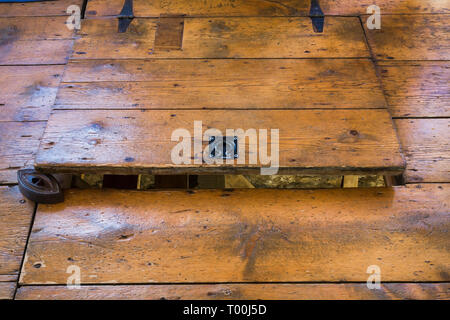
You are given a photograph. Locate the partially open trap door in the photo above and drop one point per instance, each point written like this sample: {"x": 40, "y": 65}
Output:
{"x": 143, "y": 96}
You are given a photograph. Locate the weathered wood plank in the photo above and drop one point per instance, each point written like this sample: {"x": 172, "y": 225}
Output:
{"x": 35, "y": 9}
{"x": 33, "y": 52}
{"x": 7, "y": 290}
{"x": 144, "y": 8}
{"x": 28, "y": 92}
{"x": 220, "y": 84}
{"x": 417, "y": 88}
{"x": 34, "y": 28}
{"x": 251, "y": 37}
{"x": 348, "y": 291}
{"x": 411, "y": 37}
{"x": 426, "y": 147}
{"x": 310, "y": 141}
{"x": 19, "y": 142}
{"x": 34, "y": 40}
{"x": 247, "y": 235}
{"x": 15, "y": 223}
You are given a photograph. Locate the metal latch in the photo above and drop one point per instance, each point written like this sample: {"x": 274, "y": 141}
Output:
{"x": 317, "y": 16}
{"x": 223, "y": 147}
{"x": 126, "y": 16}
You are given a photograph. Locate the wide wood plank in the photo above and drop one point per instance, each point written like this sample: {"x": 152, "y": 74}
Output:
{"x": 28, "y": 92}
{"x": 34, "y": 28}
{"x": 7, "y": 290}
{"x": 34, "y": 40}
{"x": 35, "y": 9}
{"x": 220, "y": 84}
{"x": 252, "y": 37}
{"x": 247, "y": 235}
{"x": 426, "y": 147}
{"x": 35, "y": 52}
{"x": 144, "y": 8}
{"x": 348, "y": 291}
{"x": 417, "y": 88}
{"x": 15, "y": 223}
{"x": 411, "y": 37}
{"x": 310, "y": 141}
{"x": 19, "y": 142}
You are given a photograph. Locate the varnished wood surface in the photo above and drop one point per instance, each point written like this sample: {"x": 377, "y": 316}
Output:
{"x": 220, "y": 84}
{"x": 126, "y": 141}
{"x": 411, "y": 37}
{"x": 15, "y": 222}
{"x": 143, "y": 8}
{"x": 242, "y": 236}
{"x": 348, "y": 291}
{"x": 36, "y": 9}
{"x": 417, "y": 88}
{"x": 251, "y": 37}
{"x": 27, "y": 93}
{"x": 19, "y": 142}
{"x": 426, "y": 147}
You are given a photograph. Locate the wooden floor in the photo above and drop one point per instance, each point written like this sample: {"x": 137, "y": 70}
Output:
{"x": 183, "y": 251}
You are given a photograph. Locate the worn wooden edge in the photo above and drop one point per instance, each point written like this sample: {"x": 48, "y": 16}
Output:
{"x": 7, "y": 290}
{"x": 281, "y": 291}
{"x": 218, "y": 169}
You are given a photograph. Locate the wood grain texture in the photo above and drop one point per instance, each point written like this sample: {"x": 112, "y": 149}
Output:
{"x": 220, "y": 84}
{"x": 417, "y": 88}
{"x": 34, "y": 40}
{"x": 310, "y": 141}
{"x": 238, "y": 236}
{"x": 144, "y": 8}
{"x": 411, "y": 37}
{"x": 27, "y": 93}
{"x": 426, "y": 147}
{"x": 15, "y": 223}
{"x": 34, "y": 28}
{"x": 348, "y": 291}
{"x": 35, "y": 9}
{"x": 252, "y": 37}
{"x": 7, "y": 290}
{"x": 19, "y": 142}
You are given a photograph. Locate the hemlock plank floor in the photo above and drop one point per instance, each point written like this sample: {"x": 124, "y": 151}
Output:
{"x": 143, "y": 8}
{"x": 417, "y": 30}
{"x": 220, "y": 84}
{"x": 426, "y": 148}
{"x": 36, "y": 9}
{"x": 19, "y": 142}
{"x": 34, "y": 40}
{"x": 27, "y": 93}
{"x": 310, "y": 141}
{"x": 242, "y": 236}
{"x": 251, "y": 37}
{"x": 7, "y": 290}
{"x": 416, "y": 88}
{"x": 15, "y": 219}
{"x": 411, "y": 37}
{"x": 347, "y": 291}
